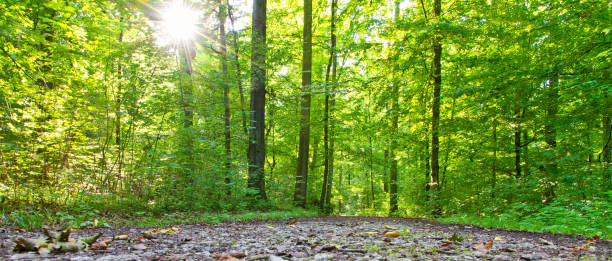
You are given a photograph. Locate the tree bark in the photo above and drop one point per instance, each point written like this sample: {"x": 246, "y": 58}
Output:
{"x": 394, "y": 135}
{"x": 494, "y": 165}
{"x": 257, "y": 147}
{"x": 327, "y": 140}
{"x": 238, "y": 71}
{"x": 226, "y": 112}
{"x": 517, "y": 142}
{"x": 550, "y": 133}
{"x": 435, "y": 121}
{"x": 301, "y": 177}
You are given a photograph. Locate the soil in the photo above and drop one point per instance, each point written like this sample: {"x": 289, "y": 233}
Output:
{"x": 323, "y": 238}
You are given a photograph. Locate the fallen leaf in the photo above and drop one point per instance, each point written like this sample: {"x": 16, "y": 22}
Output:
{"x": 100, "y": 245}
{"x": 446, "y": 243}
{"x": 372, "y": 232}
{"x": 499, "y": 238}
{"x": 596, "y": 237}
{"x": 391, "y": 234}
{"x": 141, "y": 238}
{"x": 485, "y": 246}
{"x": 590, "y": 242}
{"x": 389, "y": 227}
{"x": 121, "y": 237}
{"x": 227, "y": 258}
{"x": 578, "y": 248}
{"x": 92, "y": 239}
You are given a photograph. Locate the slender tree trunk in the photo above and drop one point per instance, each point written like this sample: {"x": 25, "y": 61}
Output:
{"x": 238, "y": 71}
{"x": 226, "y": 115}
{"x": 435, "y": 121}
{"x": 517, "y": 142}
{"x": 301, "y": 177}
{"x": 494, "y": 164}
{"x": 257, "y": 147}
{"x": 118, "y": 114}
{"x": 550, "y": 133}
{"x": 427, "y": 167}
{"x": 386, "y": 171}
{"x": 327, "y": 144}
{"x": 525, "y": 145}
{"x": 372, "y": 196}
{"x": 394, "y": 135}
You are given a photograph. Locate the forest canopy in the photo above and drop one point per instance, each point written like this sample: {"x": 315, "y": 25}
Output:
{"x": 495, "y": 112}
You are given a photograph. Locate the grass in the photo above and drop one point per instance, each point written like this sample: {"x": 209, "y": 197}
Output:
{"x": 214, "y": 218}
{"x": 30, "y": 220}
{"x": 530, "y": 225}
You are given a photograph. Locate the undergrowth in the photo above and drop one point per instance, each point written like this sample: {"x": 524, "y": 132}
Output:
{"x": 588, "y": 218}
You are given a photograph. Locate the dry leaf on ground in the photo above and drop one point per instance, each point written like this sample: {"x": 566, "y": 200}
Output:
{"x": 485, "y": 246}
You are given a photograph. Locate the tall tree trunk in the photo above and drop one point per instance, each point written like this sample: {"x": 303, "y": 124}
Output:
{"x": 301, "y": 177}
{"x": 517, "y": 141}
{"x": 494, "y": 164}
{"x": 257, "y": 147}
{"x": 525, "y": 145}
{"x": 332, "y": 123}
{"x": 328, "y": 150}
{"x": 118, "y": 114}
{"x": 550, "y": 133}
{"x": 238, "y": 71}
{"x": 394, "y": 135}
{"x": 435, "y": 121}
{"x": 226, "y": 115}
{"x": 372, "y": 196}
{"x": 386, "y": 166}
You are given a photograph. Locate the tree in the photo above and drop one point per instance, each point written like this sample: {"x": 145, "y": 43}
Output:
{"x": 435, "y": 110}
{"x": 301, "y": 177}
{"x": 257, "y": 147}
{"x": 222, "y": 13}
{"x": 394, "y": 133}
{"x": 327, "y": 118}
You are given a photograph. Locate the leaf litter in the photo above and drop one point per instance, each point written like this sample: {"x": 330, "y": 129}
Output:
{"x": 321, "y": 238}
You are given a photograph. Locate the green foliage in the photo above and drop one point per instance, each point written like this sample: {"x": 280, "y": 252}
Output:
{"x": 97, "y": 119}
{"x": 584, "y": 218}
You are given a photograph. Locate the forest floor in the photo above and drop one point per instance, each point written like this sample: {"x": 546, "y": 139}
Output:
{"x": 322, "y": 238}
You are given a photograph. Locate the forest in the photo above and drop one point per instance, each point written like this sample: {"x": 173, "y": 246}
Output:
{"x": 488, "y": 112}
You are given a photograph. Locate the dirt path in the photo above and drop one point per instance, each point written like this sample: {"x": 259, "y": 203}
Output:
{"x": 326, "y": 238}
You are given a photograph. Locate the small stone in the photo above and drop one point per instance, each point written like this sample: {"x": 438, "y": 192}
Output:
{"x": 502, "y": 258}
{"x": 275, "y": 258}
{"x": 139, "y": 247}
{"x": 324, "y": 257}
{"x": 534, "y": 256}
{"x": 23, "y": 256}
{"x": 119, "y": 258}
{"x": 81, "y": 258}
